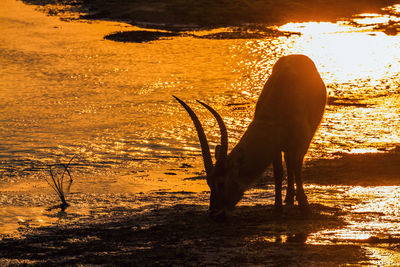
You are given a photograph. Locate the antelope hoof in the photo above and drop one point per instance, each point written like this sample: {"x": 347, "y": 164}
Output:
{"x": 304, "y": 207}
{"x": 289, "y": 201}
{"x": 302, "y": 199}
{"x": 278, "y": 210}
{"x": 305, "y": 211}
{"x": 220, "y": 216}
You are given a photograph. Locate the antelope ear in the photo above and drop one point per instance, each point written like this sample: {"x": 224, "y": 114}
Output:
{"x": 220, "y": 167}
{"x": 218, "y": 152}
{"x": 238, "y": 158}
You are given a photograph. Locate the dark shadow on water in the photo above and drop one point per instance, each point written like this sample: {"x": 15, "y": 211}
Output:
{"x": 184, "y": 235}
{"x": 236, "y": 33}
{"x": 365, "y": 169}
{"x": 139, "y": 36}
{"x": 346, "y": 102}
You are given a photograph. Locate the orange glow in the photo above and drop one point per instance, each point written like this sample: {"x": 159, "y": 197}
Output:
{"x": 348, "y": 53}
{"x": 68, "y": 91}
{"x": 394, "y": 9}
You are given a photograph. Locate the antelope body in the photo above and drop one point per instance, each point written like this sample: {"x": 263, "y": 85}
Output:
{"x": 288, "y": 113}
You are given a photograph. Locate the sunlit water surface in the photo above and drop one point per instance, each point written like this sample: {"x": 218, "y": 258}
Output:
{"x": 66, "y": 91}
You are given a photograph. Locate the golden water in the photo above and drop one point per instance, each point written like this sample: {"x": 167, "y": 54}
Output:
{"x": 65, "y": 91}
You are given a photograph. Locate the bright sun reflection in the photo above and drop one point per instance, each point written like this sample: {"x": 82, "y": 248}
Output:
{"x": 373, "y": 19}
{"x": 346, "y": 53}
{"x": 363, "y": 150}
{"x": 314, "y": 27}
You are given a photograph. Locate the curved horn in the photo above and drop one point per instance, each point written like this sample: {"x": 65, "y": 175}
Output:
{"x": 222, "y": 151}
{"x": 205, "y": 149}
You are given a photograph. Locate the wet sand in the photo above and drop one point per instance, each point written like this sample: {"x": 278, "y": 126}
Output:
{"x": 169, "y": 227}
{"x": 184, "y": 235}
{"x": 365, "y": 169}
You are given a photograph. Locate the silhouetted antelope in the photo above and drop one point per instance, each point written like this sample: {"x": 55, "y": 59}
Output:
{"x": 288, "y": 113}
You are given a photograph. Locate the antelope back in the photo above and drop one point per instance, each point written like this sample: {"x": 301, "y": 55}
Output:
{"x": 294, "y": 93}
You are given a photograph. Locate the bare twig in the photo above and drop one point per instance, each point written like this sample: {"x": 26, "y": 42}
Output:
{"x": 56, "y": 182}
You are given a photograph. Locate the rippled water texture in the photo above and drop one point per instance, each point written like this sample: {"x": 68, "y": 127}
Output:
{"x": 66, "y": 91}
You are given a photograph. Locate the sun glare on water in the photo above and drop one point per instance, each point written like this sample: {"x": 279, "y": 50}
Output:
{"x": 346, "y": 52}
{"x": 363, "y": 150}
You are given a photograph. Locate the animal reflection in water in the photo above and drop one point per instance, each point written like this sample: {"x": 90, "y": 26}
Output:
{"x": 288, "y": 112}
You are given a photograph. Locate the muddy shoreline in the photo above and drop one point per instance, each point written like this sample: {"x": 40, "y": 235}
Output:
{"x": 244, "y": 19}
{"x": 195, "y": 14}
{"x": 156, "y": 230}
{"x": 184, "y": 235}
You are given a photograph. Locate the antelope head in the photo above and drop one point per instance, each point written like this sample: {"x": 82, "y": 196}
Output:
{"x": 225, "y": 191}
